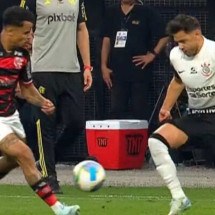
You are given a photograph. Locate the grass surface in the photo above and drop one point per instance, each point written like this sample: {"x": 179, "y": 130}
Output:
{"x": 20, "y": 200}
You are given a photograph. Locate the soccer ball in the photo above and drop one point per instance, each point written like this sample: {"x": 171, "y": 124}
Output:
{"x": 89, "y": 175}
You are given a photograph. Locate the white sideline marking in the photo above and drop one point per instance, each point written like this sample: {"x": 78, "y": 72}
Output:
{"x": 104, "y": 197}
{"x": 98, "y": 197}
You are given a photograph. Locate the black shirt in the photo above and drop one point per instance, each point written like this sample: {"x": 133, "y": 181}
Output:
{"x": 14, "y": 66}
{"x": 95, "y": 14}
{"x": 145, "y": 28}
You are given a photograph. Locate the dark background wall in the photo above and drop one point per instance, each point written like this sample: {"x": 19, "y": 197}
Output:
{"x": 162, "y": 70}
{"x": 97, "y": 99}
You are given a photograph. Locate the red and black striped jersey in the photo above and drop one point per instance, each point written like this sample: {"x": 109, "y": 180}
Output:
{"x": 14, "y": 67}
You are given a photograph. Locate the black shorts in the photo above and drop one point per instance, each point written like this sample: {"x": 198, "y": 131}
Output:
{"x": 196, "y": 125}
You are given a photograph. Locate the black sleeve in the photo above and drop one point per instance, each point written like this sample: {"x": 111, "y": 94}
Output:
{"x": 82, "y": 13}
{"x": 108, "y": 22}
{"x": 156, "y": 23}
{"x": 25, "y": 74}
{"x": 176, "y": 75}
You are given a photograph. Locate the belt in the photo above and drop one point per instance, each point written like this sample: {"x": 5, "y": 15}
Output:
{"x": 201, "y": 111}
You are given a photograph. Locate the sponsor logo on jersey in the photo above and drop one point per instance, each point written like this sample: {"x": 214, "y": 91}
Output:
{"x": 83, "y": 12}
{"x": 193, "y": 70}
{"x": 28, "y": 70}
{"x": 202, "y": 92}
{"x": 47, "y": 2}
{"x": 61, "y": 18}
{"x": 17, "y": 53}
{"x": 72, "y": 2}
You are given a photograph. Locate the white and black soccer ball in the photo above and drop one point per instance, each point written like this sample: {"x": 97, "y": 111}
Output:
{"x": 89, "y": 175}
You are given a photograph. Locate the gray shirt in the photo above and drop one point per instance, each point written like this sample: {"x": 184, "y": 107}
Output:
{"x": 54, "y": 44}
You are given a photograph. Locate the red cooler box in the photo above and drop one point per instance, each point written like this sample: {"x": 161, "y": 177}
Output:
{"x": 118, "y": 144}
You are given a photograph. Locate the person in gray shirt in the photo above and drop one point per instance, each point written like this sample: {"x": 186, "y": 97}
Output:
{"x": 60, "y": 28}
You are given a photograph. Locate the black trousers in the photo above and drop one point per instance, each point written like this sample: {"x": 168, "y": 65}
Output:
{"x": 65, "y": 90}
{"x": 130, "y": 97}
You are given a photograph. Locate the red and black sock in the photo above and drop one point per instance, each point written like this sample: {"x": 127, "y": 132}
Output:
{"x": 44, "y": 191}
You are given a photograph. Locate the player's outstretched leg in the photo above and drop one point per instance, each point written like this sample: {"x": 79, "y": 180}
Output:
{"x": 167, "y": 170}
{"x": 17, "y": 149}
{"x": 6, "y": 165}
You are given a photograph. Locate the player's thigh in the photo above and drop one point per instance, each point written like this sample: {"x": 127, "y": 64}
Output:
{"x": 174, "y": 136}
{"x": 14, "y": 147}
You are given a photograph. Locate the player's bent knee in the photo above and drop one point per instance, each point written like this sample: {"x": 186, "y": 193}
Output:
{"x": 158, "y": 148}
{"x": 159, "y": 137}
{"x": 157, "y": 143}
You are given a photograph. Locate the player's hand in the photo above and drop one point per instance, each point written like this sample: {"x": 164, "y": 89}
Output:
{"x": 106, "y": 74}
{"x": 143, "y": 60}
{"x": 164, "y": 115}
{"x": 48, "y": 107}
{"x": 88, "y": 80}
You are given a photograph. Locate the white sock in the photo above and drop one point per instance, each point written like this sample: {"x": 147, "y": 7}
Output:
{"x": 165, "y": 167}
{"x": 57, "y": 207}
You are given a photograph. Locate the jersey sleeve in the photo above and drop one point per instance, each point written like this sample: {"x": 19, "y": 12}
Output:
{"x": 108, "y": 22}
{"x": 172, "y": 56}
{"x": 25, "y": 74}
{"x": 156, "y": 23}
{"x": 176, "y": 75}
{"x": 82, "y": 13}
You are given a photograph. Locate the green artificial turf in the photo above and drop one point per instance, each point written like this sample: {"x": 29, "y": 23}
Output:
{"x": 20, "y": 200}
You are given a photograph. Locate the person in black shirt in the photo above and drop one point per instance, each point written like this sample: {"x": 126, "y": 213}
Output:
{"x": 95, "y": 11}
{"x": 130, "y": 29}
{"x": 14, "y": 68}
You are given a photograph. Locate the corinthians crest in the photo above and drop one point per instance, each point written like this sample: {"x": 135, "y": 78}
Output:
{"x": 206, "y": 71}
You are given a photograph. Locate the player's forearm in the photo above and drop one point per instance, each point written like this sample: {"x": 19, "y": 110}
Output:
{"x": 105, "y": 52}
{"x": 32, "y": 96}
{"x": 36, "y": 100}
{"x": 161, "y": 44}
{"x": 83, "y": 44}
{"x": 173, "y": 92}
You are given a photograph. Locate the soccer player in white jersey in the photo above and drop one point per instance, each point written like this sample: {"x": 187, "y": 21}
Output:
{"x": 194, "y": 63}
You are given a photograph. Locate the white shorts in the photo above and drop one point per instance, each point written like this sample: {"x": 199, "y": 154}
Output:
{"x": 11, "y": 124}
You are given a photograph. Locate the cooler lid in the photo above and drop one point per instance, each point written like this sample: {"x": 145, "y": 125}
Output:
{"x": 117, "y": 124}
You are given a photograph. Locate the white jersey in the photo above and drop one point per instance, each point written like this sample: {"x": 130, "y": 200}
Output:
{"x": 198, "y": 74}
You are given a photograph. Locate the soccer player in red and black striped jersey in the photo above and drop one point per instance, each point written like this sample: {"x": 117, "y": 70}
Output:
{"x": 14, "y": 68}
